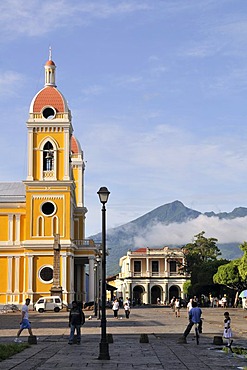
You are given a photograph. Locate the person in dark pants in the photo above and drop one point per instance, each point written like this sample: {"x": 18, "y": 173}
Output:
{"x": 76, "y": 319}
{"x": 194, "y": 318}
{"x": 127, "y": 310}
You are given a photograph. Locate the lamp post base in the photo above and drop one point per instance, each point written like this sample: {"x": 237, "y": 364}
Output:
{"x": 104, "y": 351}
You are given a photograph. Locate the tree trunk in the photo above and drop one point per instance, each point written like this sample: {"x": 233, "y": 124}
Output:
{"x": 236, "y": 300}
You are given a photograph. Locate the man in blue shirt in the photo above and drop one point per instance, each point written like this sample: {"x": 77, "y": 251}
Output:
{"x": 195, "y": 318}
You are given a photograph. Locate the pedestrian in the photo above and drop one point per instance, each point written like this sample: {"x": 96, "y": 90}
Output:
{"x": 194, "y": 318}
{"x": 25, "y": 323}
{"x": 76, "y": 320}
{"x": 189, "y": 305}
{"x": 127, "y": 310}
{"x": 227, "y": 329}
{"x": 172, "y": 303}
{"x": 244, "y": 303}
{"x": 224, "y": 301}
{"x": 115, "y": 308}
{"x": 127, "y": 300}
{"x": 177, "y": 307}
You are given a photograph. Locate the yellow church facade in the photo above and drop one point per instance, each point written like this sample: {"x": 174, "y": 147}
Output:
{"x": 49, "y": 202}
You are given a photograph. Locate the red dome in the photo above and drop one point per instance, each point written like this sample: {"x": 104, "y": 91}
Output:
{"x": 75, "y": 146}
{"x": 50, "y": 63}
{"x": 49, "y": 96}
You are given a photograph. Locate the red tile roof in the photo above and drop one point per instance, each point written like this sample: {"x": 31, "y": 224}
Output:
{"x": 75, "y": 147}
{"x": 140, "y": 250}
{"x": 49, "y": 96}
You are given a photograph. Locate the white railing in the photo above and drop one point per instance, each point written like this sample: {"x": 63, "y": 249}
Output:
{"x": 84, "y": 243}
{"x": 146, "y": 274}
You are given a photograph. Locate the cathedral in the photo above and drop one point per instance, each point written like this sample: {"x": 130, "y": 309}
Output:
{"x": 45, "y": 213}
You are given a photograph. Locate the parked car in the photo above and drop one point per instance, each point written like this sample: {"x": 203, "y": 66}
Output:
{"x": 53, "y": 303}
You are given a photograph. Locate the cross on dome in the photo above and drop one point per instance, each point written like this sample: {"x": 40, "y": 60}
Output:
{"x": 50, "y": 70}
{"x": 50, "y": 53}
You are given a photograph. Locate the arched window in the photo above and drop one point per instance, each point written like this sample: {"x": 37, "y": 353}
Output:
{"x": 40, "y": 226}
{"x": 48, "y": 157}
{"x": 55, "y": 225}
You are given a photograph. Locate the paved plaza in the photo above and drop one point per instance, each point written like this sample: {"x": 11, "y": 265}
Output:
{"x": 161, "y": 352}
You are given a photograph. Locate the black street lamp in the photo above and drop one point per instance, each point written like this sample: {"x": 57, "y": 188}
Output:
{"x": 103, "y": 346}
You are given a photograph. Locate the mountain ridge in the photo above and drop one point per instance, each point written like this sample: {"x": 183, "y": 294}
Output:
{"x": 123, "y": 237}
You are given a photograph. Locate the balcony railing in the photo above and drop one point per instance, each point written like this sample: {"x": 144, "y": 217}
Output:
{"x": 149, "y": 274}
{"x": 86, "y": 243}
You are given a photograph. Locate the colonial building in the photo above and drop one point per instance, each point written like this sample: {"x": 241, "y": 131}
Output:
{"x": 148, "y": 274}
{"x": 50, "y": 202}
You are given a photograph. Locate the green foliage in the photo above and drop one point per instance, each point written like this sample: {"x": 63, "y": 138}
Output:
{"x": 10, "y": 349}
{"x": 200, "y": 251}
{"x": 201, "y": 262}
{"x": 243, "y": 262}
{"x": 187, "y": 287}
{"x": 238, "y": 350}
{"x": 234, "y": 273}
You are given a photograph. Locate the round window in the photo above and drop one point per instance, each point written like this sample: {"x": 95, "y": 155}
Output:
{"x": 46, "y": 274}
{"x": 48, "y": 208}
{"x": 49, "y": 113}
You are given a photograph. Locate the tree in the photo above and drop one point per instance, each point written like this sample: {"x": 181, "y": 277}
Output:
{"x": 234, "y": 273}
{"x": 201, "y": 250}
{"x": 243, "y": 262}
{"x": 201, "y": 262}
{"x": 229, "y": 275}
{"x": 187, "y": 287}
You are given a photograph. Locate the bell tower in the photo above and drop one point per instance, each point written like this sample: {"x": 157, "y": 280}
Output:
{"x": 52, "y": 192}
{"x": 43, "y": 246}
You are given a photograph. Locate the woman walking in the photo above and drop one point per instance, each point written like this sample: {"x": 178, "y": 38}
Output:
{"x": 115, "y": 308}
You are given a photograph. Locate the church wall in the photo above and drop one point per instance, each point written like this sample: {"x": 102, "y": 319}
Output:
{"x": 4, "y": 222}
{"x": 42, "y": 261}
{"x": 3, "y": 280}
{"x": 23, "y": 228}
{"x": 40, "y": 225}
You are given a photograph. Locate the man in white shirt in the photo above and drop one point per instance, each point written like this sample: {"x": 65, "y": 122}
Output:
{"x": 24, "y": 324}
{"x": 189, "y": 305}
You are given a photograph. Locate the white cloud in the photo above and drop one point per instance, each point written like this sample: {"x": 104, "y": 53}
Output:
{"x": 226, "y": 231}
{"x": 92, "y": 90}
{"x": 39, "y": 17}
{"x": 10, "y": 82}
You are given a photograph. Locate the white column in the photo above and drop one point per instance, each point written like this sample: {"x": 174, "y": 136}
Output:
{"x": 165, "y": 264}
{"x": 11, "y": 229}
{"x": 64, "y": 273}
{"x": 17, "y": 229}
{"x": 30, "y": 274}
{"x": 66, "y": 153}
{"x": 80, "y": 186}
{"x": 72, "y": 286}
{"x": 79, "y": 280}
{"x": 10, "y": 274}
{"x": 147, "y": 262}
{"x": 91, "y": 279}
{"x": 30, "y": 154}
{"x": 84, "y": 284}
{"x": 127, "y": 290}
{"x": 17, "y": 274}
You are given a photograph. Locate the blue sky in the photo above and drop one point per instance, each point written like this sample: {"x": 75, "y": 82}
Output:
{"x": 157, "y": 91}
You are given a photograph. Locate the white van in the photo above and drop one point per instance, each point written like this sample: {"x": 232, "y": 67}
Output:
{"x": 52, "y": 303}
